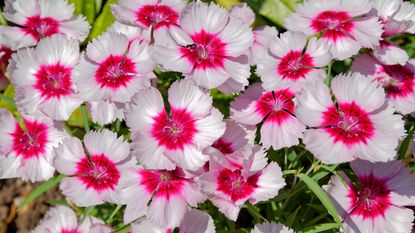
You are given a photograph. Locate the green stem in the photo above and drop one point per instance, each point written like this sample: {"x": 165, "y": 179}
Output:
{"x": 327, "y": 81}
{"x": 285, "y": 158}
{"x": 109, "y": 220}
{"x": 117, "y": 125}
{"x": 20, "y": 119}
{"x": 289, "y": 172}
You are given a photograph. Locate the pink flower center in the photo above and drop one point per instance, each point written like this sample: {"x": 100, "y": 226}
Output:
{"x": 350, "y": 124}
{"x": 276, "y": 106}
{"x": 31, "y": 142}
{"x": 208, "y": 51}
{"x": 70, "y": 231}
{"x": 158, "y": 15}
{"x": 39, "y": 27}
{"x": 333, "y": 24}
{"x": 53, "y": 81}
{"x": 115, "y": 71}
{"x": 295, "y": 65}
{"x": 397, "y": 80}
{"x": 223, "y": 146}
{"x": 163, "y": 183}
{"x": 234, "y": 185}
{"x": 175, "y": 132}
{"x": 371, "y": 199}
{"x": 98, "y": 173}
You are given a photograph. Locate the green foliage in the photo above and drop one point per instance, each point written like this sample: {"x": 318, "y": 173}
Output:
{"x": 274, "y": 10}
{"x": 6, "y": 99}
{"x": 103, "y": 21}
{"x": 41, "y": 189}
{"x": 322, "y": 196}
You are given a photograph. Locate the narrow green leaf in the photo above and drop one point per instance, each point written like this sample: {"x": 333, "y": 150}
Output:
{"x": 323, "y": 173}
{"x": 317, "y": 207}
{"x": 78, "y": 5}
{"x": 41, "y": 189}
{"x": 321, "y": 227}
{"x": 2, "y": 19}
{"x": 85, "y": 120}
{"x": 57, "y": 202}
{"x": 315, "y": 220}
{"x": 123, "y": 229}
{"x": 292, "y": 217}
{"x": 321, "y": 195}
{"x": 254, "y": 212}
{"x": 8, "y": 102}
{"x": 88, "y": 9}
{"x": 98, "y": 6}
{"x": 227, "y": 3}
{"x": 406, "y": 142}
{"x": 6, "y": 99}
{"x": 276, "y": 10}
{"x": 103, "y": 21}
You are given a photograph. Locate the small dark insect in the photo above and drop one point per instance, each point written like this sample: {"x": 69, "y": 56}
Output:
{"x": 189, "y": 46}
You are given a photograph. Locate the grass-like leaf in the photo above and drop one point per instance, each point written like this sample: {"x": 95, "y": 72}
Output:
{"x": 321, "y": 227}
{"x": 321, "y": 195}
{"x": 41, "y": 189}
{"x": 103, "y": 21}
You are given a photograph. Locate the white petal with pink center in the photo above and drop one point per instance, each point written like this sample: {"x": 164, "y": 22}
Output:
{"x": 378, "y": 203}
{"x": 395, "y": 19}
{"x": 26, "y": 152}
{"x": 338, "y": 23}
{"x": 194, "y": 221}
{"x": 275, "y": 109}
{"x": 132, "y": 33}
{"x": 180, "y": 136}
{"x": 171, "y": 193}
{"x": 105, "y": 111}
{"x": 404, "y": 18}
{"x": 262, "y": 38}
{"x": 230, "y": 189}
{"x": 211, "y": 48}
{"x": 235, "y": 140}
{"x": 37, "y": 19}
{"x": 390, "y": 54}
{"x": 157, "y": 16}
{"x": 114, "y": 69}
{"x": 43, "y": 77}
{"x": 63, "y": 219}
{"x": 93, "y": 173}
{"x": 361, "y": 124}
{"x": 271, "y": 227}
{"x": 243, "y": 12}
{"x": 397, "y": 80}
{"x": 289, "y": 64}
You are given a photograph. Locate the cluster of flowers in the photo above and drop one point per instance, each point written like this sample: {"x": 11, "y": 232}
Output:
{"x": 183, "y": 151}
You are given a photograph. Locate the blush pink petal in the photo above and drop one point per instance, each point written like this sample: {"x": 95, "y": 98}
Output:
{"x": 37, "y": 19}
